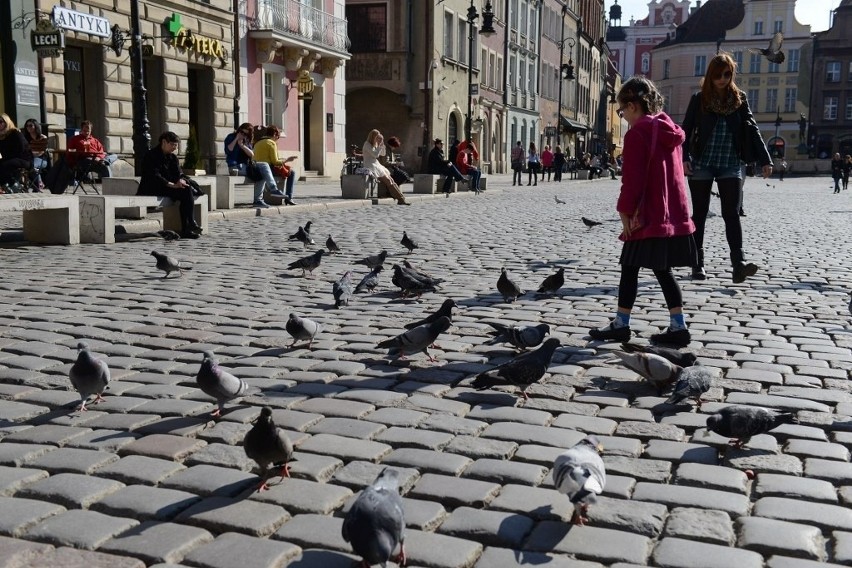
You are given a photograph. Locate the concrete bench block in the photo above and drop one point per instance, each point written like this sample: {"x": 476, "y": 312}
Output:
{"x": 231, "y": 190}
{"x": 97, "y": 214}
{"x": 426, "y": 183}
{"x": 129, "y": 186}
{"x": 48, "y": 219}
{"x": 356, "y": 186}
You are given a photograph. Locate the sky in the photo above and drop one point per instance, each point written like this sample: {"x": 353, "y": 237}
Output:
{"x": 813, "y": 12}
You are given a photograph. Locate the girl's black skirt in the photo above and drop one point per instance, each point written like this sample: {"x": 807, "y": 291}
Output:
{"x": 660, "y": 253}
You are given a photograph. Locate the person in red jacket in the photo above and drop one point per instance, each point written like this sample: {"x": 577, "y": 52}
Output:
{"x": 85, "y": 149}
{"x": 464, "y": 162}
{"x": 654, "y": 211}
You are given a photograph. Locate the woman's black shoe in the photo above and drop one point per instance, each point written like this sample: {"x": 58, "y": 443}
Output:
{"x": 189, "y": 234}
{"x": 610, "y": 333}
{"x": 676, "y": 337}
{"x": 698, "y": 273}
{"x": 743, "y": 270}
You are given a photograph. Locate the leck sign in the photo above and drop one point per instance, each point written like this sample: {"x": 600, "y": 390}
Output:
{"x": 46, "y": 40}
{"x": 80, "y": 22}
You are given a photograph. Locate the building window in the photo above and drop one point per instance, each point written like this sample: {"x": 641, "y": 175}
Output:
{"x": 754, "y": 62}
{"x": 522, "y": 76}
{"x": 832, "y": 72}
{"x": 700, "y": 65}
{"x": 778, "y": 27}
{"x": 462, "y": 41}
{"x": 367, "y": 27}
{"x": 771, "y": 100}
{"x": 790, "y": 99}
{"x": 513, "y": 67}
{"x": 449, "y": 28}
{"x": 830, "y": 108}
{"x": 513, "y": 14}
{"x": 758, "y": 28}
{"x": 792, "y": 60}
{"x": 499, "y": 75}
{"x": 774, "y": 67}
{"x": 646, "y": 63}
{"x": 849, "y": 72}
{"x": 738, "y": 59}
{"x": 269, "y": 98}
{"x": 849, "y": 109}
{"x": 492, "y": 69}
{"x": 532, "y": 88}
{"x": 666, "y": 68}
{"x": 753, "y": 97}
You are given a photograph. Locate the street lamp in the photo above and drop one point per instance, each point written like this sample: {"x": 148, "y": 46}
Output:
{"x": 487, "y": 30}
{"x": 141, "y": 135}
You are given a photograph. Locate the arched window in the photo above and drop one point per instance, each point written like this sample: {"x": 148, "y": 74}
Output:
{"x": 452, "y": 128}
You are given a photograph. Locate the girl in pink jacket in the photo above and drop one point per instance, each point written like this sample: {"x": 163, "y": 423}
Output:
{"x": 654, "y": 211}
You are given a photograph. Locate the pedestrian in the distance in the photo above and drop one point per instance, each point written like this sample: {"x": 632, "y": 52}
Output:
{"x": 721, "y": 134}
{"x": 837, "y": 171}
{"x": 465, "y": 163}
{"x": 517, "y": 163}
{"x": 783, "y": 170}
{"x": 654, "y": 211}
{"x": 438, "y": 165}
{"x": 546, "y": 162}
{"x": 558, "y": 164}
{"x": 847, "y": 168}
{"x": 533, "y": 165}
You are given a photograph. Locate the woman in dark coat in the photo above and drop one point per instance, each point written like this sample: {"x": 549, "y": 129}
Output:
{"x": 15, "y": 153}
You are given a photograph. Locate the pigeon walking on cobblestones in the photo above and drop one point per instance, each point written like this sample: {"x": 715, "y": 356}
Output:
{"x": 168, "y": 264}
{"x": 410, "y": 283}
{"x": 552, "y": 283}
{"x": 374, "y": 260}
{"x": 589, "y": 223}
{"x": 415, "y": 340}
{"x": 370, "y": 281}
{"x": 657, "y": 370}
{"x": 302, "y": 236}
{"x": 507, "y": 288}
{"x": 308, "y": 263}
{"x": 214, "y": 381}
{"x": 740, "y": 423}
{"x": 375, "y": 524}
{"x": 331, "y": 245}
{"x": 522, "y": 371}
{"x": 342, "y": 290}
{"x": 580, "y": 474}
{"x": 302, "y": 329}
{"x": 521, "y": 336}
{"x": 408, "y": 243}
{"x": 169, "y": 235}
{"x": 89, "y": 376}
{"x": 692, "y": 382}
{"x": 267, "y": 444}
{"x": 559, "y": 201}
{"x": 679, "y": 358}
{"x": 446, "y": 310}
{"x": 308, "y": 227}
{"x": 421, "y": 274}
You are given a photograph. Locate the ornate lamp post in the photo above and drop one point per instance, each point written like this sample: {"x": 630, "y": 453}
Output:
{"x": 141, "y": 136}
{"x": 487, "y": 30}
{"x": 776, "y": 153}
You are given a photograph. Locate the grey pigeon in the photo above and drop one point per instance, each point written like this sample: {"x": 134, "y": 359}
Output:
{"x": 267, "y": 444}
{"x": 169, "y": 235}
{"x": 423, "y": 275}
{"x": 589, "y": 223}
{"x": 373, "y": 261}
{"x": 342, "y": 290}
{"x": 302, "y": 236}
{"x": 168, "y": 264}
{"x": 308, "y": 263}
{"x": 408, "y": 243}
{"x": 773, "y": 52}
{"x": 331, "y": 245}
{"x": 691, "y": 383}
{"x": 415, "y": 340}
{"x": 508, "y": 289}
{"x": 740, "y": 423}
{"x": 559, "y": 201}
{"x": 375, "y": 524}
{"x": 369, "y": 281}
{"x": 214, "y": 381}
{"x": 657, "y": 370}
{"x": 679, "y": 358}
{"x": 521, "y": 336}
{"x": 552, "y": 283}
{"x": 308, "y": 227}
{"x": 89, "y": 376}
{"x": 302, "y": 329}
{"x": 522, "y": 371}
{"x": 410, "y": 283}
{"x": 580, "y": 474}
{"x": 446, "y": 310}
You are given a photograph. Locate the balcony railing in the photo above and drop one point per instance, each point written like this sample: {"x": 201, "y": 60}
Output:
{"x": 291, "y": 18}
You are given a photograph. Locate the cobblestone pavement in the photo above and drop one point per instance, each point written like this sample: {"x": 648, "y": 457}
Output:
{"x": 146, "y": 478}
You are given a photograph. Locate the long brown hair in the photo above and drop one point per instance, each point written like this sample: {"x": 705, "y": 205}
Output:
{"x": 718, "y": 65}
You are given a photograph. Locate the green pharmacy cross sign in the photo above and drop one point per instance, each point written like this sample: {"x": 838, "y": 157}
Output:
{"x": 185, "y": 39}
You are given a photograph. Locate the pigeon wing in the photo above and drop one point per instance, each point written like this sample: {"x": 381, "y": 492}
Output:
{"x": 775, "y": 42}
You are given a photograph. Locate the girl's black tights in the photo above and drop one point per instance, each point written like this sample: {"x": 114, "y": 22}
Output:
{"x": 628, "y": 287}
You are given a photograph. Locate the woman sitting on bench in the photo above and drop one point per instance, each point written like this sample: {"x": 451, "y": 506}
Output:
{"x": 15, "y": 154}
{"x": 161, "y": 177}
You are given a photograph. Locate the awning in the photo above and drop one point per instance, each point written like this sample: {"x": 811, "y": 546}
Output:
{"x": 572, "y": 125}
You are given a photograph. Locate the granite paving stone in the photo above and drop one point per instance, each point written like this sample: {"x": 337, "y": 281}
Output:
{"x": 223, "y": 514}
{"x": 493, "y": 556}
{"x": 428, "y": 461}
{"x": 74, "y": 558}
{"x": 502, "y": 472}
{"x": 232, "y": 549}
{"x": 13, "y": 478}
{"x": 703, "y": 525}
{"x": 140, "y": 469}
{"x": 347, "y": 427}
{"x": 303, "y": 496}
{"x": 475, "y": 447}
{"x": 79, "y": 529}
{"x": 346, "y": 449}
{"x": 491, "y": 528}
{"x": 153, "y": 542}
{"x": 163, "y": 446}
{"x": 20, "y": 514}
{"x": 787, "y": 562}
{"x": 453, "y": 492}
{"x": 47, "y": 434}
{"x": 774, "y": 485}
{"x": 310, "y": 530}
{"x": 824, "y": 516}
{"x": 711, "y": 477}
{"x": 71, "y": 490}
{"x": 400, "y": 437}
{"x": 589, "y": 543}
{"x": 680, "y": 553}
{"x": 648, "y": 470}
{"x": 837, "y": 472}
{"x": 223, "y": 455}
{"x": 146, "y": 503}
{"x": 842, "y": 547}
{"x": 210, "y": 480}
{"x": 440, "y": 551}
{"x": 72, "y": 460}
{"x": 679, "y": 496}
{"x": 768, "y": 537}
{"x": 357, "y": 475}
{"x": 534, "y": 502}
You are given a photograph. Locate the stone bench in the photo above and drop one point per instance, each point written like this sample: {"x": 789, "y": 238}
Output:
{"x": 128, "y": 186}
{"x": 433, "y": 183}
{"x": 48, "y": 219}
{"x": 357, "y": 186}
{"x": 231, "y": 190}
{"x": 97, "y": 214}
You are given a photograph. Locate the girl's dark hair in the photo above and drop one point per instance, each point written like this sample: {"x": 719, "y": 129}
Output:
{"x": 393, "y": 142}
{"x": 169, "y": 136}
{"x": 36, "y": 128}
{"x": 718, "y": 65}
{"x": 640, "y": 90}
{"x": 272, "y": 131}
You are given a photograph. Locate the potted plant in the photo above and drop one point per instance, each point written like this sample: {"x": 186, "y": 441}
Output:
{"x": 192, "y": 156}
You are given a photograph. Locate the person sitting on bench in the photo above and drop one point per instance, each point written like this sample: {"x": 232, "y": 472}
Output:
{"x": 86, "y": 153}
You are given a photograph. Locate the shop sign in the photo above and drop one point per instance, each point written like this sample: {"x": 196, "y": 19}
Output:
{"x": 305, "y": 83}
{"x": 46, "y": 40}
{"x": 185, "y": 39}
{"x": 26, "y": 83}
{"x": 80, "y": 22}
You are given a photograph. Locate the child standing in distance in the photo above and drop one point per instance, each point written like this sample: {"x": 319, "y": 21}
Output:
{"x": 654, "y": 211}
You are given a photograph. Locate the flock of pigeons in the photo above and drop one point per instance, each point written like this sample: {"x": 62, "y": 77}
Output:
{"x": 375, "y": 523}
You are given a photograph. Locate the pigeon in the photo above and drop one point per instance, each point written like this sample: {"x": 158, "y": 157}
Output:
{"x": 331, "y": 245}
{"x": 446, "y": 310}
{"x": 308, "y": 263}
{"x": 522, "y": 337}
{"x": 375, "y": 524}
{"x": 408, "y": 243}
{"x": 508, "y": 289}
{"x": 302, "y": 329}
{"x": 218, "y": 383}
{"x": 308, "y": 227}
{"x": 411, "y": 283}
{"x": 342, "y": 290}
{"x": 369, "y": 281}
{"x": 589, "y": 223}
{"x": 580, "y": 474}
{"x": 302, "y": 236}
{"x": 679, "y": 358}
{"x": 522, "y": 371}
{"x": 373, "y": 261}
{"x": 773, "y": 53}
{"x": 89, "y": 376}
{"x": 421, "y": 274}
{"x": 552, "y": 283}
{"x": 692, "y": 382}
{"x": 415, "y": 340}
{"x": 267, "y": 444}
{"x": 658, "y": 371}
{"x": 168, "y": 264}
{"x": 169, "y": 235}
{"x": 742, "y": 422}
{"x": 559, "y": 201}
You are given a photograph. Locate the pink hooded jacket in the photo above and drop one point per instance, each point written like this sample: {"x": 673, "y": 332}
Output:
{"x": 652, "y": 179}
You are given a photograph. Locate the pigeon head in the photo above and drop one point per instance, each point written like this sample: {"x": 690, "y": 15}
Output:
{"x": 383, "y": 255}
{"x": 293, "y": 316}
{"x": 156, "y": 254}
{"x": 208, "y": 355}
{"x": 545, "y": 328}
{"x": 551, "y": 343}
{"x": 593, "y": 442}
{"x": 713, "y": 421}
{"x": 561, "y": 271}
{"x": 387, "y": 479}
{"x": 82, "y": 346}
{"x": 378, "y": 269}
{"x": 449, "y": 304}
{"x": 265, "y": 416}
